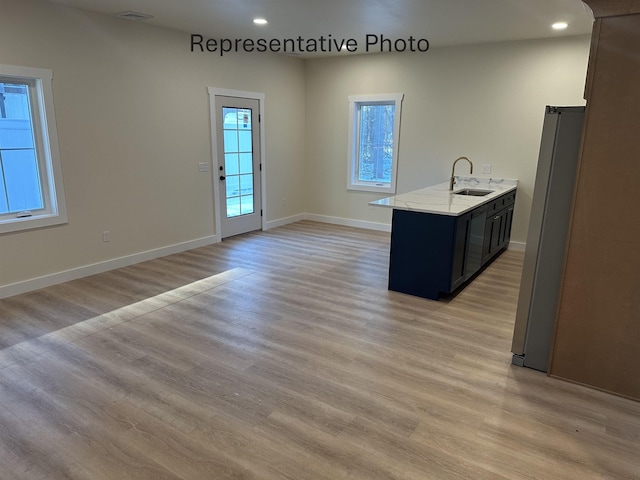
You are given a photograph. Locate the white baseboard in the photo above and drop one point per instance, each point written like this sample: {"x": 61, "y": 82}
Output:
{"x": 349, "y": 222}
{"x": 517, "y": 246}
{"x": 100, "y": 267}
{"x": 284, "y": 221}
{"x": 85, "y": 271}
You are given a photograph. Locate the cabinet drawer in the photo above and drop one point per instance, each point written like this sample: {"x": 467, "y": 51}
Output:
{"x": 508, "y": 199}
{"x": 494, "y": 205}
{"x": 500, "y": 203}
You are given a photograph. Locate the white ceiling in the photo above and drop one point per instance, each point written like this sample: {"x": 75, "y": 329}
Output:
{"x": 441, "y": 22}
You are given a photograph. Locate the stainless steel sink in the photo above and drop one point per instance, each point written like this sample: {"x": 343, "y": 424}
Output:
{"x": 473, "y": 192}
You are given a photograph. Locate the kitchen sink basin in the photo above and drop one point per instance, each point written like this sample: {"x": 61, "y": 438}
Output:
{"x": 473, "y": 192}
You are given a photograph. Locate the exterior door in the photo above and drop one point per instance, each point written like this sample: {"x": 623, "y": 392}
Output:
{"x": 238, "y": 144}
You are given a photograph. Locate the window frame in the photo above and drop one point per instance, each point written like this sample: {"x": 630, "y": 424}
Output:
{"x": 355, "y": 104}
{"x": 47, "y": 150}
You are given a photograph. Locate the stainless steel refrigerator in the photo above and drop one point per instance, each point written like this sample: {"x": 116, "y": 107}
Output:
{"x": 547, "y": 236}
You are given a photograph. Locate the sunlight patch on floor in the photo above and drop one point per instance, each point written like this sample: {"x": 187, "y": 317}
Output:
{"x": 30, "y": 349}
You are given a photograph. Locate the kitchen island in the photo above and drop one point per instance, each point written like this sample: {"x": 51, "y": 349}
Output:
{"x": 440, "y": 239}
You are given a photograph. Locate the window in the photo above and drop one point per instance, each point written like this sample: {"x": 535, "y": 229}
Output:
{"x": 374, "y": 132}
{"x": 31, "y": 193}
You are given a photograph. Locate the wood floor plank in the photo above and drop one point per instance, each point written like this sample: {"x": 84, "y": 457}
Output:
{"x": 282, "y": 355}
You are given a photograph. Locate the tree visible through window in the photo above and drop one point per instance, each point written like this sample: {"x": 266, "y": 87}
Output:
{"x": 375, "y": 149}
{"x": 374, "y": 128}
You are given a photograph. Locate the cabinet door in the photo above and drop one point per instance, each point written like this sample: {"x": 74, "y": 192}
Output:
{"x": 506, "y": 232}
{"x": 486, "y": 246}
{"x": 493, "y": 233}
{"x": 496, "y": 232}
{"x": 475, "y": 242}
{"x": 459, "y": 250}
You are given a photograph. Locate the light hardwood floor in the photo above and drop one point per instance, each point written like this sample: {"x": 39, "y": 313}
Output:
{"x": 282, "y": 355}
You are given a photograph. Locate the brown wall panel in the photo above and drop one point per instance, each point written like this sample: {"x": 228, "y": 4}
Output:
{"x": 607, "y": 8}
{"x": 598, "y": 327}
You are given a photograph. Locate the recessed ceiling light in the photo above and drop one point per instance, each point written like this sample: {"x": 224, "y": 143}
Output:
{"x": 559, "y": 25}
{"x": 260, "y": 21}
{"x": 135, "y": 16}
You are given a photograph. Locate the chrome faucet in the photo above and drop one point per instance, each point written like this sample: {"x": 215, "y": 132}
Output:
{"x": 453, "y": 169}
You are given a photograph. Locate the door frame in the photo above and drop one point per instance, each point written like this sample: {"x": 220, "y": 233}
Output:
{"x": 215, "y": 161}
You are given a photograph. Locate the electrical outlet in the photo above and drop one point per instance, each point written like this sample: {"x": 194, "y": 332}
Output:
{"x": 284, "y": 202}
{"x": 486, "y": 169}
{"x": 203, "y": 167}
{"x": 106, "y": 236}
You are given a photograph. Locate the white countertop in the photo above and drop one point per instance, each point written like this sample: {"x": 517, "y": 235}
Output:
{"x": 440, "y": 200}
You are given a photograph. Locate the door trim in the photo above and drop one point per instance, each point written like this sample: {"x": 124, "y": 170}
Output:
{"x": 224, "y": 92}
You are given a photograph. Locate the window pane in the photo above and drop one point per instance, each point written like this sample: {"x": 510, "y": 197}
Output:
{"x": 4, "y": 206}
{"x": 21, "y": 188}
{"x": 375, "y": 147}
{"x": 15, "y": 116}
{"x": 14, "y": 101}
{"x": 15, "y": 133}
{"x": 22, "y": 180}
{"x": 231, "y": 164}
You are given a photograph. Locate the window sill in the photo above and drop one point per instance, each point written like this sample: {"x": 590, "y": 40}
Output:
{"x": 364, "y": 187}
{"x": 39, "y": 221}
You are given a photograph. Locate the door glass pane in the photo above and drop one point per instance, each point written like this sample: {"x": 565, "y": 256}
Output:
{"x": 244, "y": 119}
{"x": 246, "y": 184}
{"x": 246, "y": 205}
{"x": 244, "y": 139}
{"x": 231, "y": 163}
{"x": 246, "y": 163}
{"x": 233, "y": 186}
{"x": 230, "y": 118}
{"x": 238, "y": 153}
{"x": 230, "y": 141}
{"x": 233, "y": 207}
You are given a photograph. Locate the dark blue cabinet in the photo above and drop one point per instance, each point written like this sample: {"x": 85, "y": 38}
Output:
{"x": 432, "y": 255}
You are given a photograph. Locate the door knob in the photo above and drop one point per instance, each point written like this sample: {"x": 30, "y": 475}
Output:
{"x": 222, "y": 177}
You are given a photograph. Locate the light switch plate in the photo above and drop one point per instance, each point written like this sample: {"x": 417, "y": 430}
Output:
{"x": 486, "y": 169}
{"x": 203, "y": 167}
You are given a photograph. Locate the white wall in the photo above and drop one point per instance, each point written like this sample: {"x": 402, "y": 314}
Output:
{"x": 483, "y": 101}
{"x": 133, "y": 123}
